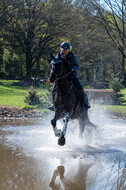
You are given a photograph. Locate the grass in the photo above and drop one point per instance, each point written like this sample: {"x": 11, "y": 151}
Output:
{"x": 123, "y": 91}
{"x": 8, "y": 82}
{"x": 14, "y": 95}
{"x": 117, "y": 109}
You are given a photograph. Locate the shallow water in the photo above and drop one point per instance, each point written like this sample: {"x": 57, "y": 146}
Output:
{"x": 30, "y": 158}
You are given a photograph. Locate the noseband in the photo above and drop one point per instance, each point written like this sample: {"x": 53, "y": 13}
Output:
{"x": 58, "y": 78}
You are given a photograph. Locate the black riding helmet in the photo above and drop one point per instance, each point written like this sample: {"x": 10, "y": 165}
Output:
{"x": 65, "y": 45}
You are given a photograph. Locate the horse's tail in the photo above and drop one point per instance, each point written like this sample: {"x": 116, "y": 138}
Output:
{"x": 89, "y": 123}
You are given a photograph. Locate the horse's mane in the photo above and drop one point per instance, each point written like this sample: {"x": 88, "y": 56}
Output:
{"x": 64, "y": 94}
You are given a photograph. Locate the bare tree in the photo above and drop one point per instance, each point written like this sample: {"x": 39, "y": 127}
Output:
{"x": 114, "y": 19}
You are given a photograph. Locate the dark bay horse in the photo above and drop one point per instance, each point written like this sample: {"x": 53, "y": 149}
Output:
{"x": 67, "y": 104}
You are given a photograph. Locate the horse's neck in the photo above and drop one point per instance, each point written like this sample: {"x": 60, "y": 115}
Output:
{"x": 64, "y": 86}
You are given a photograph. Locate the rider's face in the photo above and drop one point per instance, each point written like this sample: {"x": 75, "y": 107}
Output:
{"x": 65, "y": 52}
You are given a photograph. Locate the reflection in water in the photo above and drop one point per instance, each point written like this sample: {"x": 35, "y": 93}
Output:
{"x": 21, "y": 172}
{"x": 58, "y": 172}
{"x": 73, "y": 182}
{"x": 31, "y": 160}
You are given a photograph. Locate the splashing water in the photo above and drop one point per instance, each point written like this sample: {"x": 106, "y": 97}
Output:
{"x": 84, "y": 159}
{"x": 109, "y": 134}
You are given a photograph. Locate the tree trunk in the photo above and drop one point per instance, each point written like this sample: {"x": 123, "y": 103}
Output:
{"x": 104, "y": 72}
{"x": 37, "y": 67}
{"x": 123, "y": 30}
{"x": 87, "y": 75}
{"x": 1, "y": 55}
{"x": 28, "y": 65}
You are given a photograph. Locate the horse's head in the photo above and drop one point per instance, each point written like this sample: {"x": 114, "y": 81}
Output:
{"x": 56, "y": 68}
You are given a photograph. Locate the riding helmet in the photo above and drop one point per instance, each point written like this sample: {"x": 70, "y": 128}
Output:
{"x": 65, "y": 45}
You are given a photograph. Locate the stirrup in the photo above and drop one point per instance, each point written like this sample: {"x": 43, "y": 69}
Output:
{"x": 86, "y": 106}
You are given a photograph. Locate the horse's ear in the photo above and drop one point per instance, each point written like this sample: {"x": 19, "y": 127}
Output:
{"x": 52, "y": 56}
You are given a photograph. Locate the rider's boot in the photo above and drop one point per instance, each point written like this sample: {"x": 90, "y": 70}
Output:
{"x": 84, "y": 99}
{"x": 53, "y": 97}
{"x": 85, "y": 105}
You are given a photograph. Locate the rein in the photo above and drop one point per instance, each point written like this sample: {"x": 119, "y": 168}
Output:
{"x": 62, "y": 77}
{"x": 68, "y": 91}
{"x": 65, "y": 95}
{"x": 65, "y": 75}
{"x": 70, "y": 86}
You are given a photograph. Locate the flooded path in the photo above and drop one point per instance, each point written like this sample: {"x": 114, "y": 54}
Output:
{"x": 30, "y": 158}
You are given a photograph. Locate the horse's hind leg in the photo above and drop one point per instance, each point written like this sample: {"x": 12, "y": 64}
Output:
{"x": 82, "y": 123}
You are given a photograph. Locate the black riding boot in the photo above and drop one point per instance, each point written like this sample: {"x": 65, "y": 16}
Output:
{"x": 53, "y": 97}
{"x": 84, "y": 99}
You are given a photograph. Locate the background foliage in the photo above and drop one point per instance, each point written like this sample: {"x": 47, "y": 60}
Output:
{"x": 30, "y": 29}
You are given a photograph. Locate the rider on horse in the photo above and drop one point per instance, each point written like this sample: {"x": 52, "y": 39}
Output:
{"x": 71, "y": 64}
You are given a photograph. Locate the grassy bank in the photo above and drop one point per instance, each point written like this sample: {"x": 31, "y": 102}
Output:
{"x": 11, "y": 95}
{"x": 117, "y": 109}
{"x": 123, "y": 91}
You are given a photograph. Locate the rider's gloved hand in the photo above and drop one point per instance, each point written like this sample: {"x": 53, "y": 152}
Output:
{"x": 63, "y": 58}
{"x": 48, "y": 82}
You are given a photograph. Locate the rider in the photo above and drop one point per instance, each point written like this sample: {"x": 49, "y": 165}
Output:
{"x": 71, "y": 64}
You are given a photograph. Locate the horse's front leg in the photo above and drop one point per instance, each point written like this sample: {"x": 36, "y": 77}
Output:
{"x": 57, "y": 132}
{"x": 61, "y": 140}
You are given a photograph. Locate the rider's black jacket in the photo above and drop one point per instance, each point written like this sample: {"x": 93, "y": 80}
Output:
{"x": 70, "y": 61}
{"x": 71, "y": 64}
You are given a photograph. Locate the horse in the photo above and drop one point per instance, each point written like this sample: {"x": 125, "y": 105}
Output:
{"x": 67, "y": 104}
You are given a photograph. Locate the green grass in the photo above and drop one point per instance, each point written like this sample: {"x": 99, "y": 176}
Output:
{"x": 8, "y": 82}
{"x": 12, "y": 100}
{"x": 15, "y": 95}
{"x": 123, "y": 91}
{"x": 117, "y": 109}
{"x": 12, "y": 95}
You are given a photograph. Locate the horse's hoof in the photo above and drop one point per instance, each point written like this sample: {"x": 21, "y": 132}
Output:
{"x": 61, "y": 141}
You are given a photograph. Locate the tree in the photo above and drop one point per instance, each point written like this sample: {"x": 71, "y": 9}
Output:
{"x": 1, "y": 43}
{"x": 114, "y": 21}
{"x": 92, "y": 45}
{"x": 33, "y": 26}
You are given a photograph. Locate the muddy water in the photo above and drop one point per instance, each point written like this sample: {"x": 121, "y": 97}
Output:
{"x": 30, "y": 158}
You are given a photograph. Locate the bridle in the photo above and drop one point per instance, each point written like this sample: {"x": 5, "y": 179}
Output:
{"x": 60, "y": 73}
{"x": 63, "y": 77}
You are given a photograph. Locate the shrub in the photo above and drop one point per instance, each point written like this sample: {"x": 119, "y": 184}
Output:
{"x": 32, "y": 98}
{"x": 116, "y": 85}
